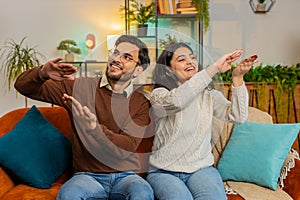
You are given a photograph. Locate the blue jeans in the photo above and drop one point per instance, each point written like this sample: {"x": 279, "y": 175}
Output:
{"x": 205, "y": 184}
{"x": 113, "y": 186}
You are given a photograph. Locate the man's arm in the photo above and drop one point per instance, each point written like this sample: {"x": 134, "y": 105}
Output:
{"x": 103, "y": 142}
{"x": 43, "y": 84}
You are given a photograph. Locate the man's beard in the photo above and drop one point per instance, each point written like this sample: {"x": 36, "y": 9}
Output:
{"x": 122, "y": 78}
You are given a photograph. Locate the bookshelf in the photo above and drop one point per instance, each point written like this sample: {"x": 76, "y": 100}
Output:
{"x": 183, "y": 24}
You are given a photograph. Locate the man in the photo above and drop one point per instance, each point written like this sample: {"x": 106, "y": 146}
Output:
{"x": 109, "y": 120}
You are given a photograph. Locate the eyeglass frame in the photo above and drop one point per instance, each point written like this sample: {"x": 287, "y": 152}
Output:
{"x": 123, "y": 59}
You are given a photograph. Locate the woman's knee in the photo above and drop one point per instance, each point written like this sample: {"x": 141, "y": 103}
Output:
{"x": 167, "y": 186}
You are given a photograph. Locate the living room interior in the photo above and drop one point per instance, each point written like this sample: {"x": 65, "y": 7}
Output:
{"x": 274, "y": 35}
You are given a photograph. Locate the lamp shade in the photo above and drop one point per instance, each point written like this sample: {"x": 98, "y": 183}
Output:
{"x": 90, "y": 41}
{"x": 111, "y": 39}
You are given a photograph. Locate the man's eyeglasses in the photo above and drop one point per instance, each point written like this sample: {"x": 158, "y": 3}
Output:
{"x": 125, "y": 58}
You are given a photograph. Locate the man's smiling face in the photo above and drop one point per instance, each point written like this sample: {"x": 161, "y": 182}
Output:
{"x": 122, "y": 62}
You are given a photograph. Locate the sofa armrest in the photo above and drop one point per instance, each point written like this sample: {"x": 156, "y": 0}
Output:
{"x": 6, "y": 184}
{"x": 292, "y": 181}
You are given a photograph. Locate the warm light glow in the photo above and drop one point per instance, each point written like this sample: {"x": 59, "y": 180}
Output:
{"x": 90, "y": 41}
{"x": 117, "y": 27}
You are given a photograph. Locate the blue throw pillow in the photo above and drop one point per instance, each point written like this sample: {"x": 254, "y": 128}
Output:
{"x": 256, "y": 152}
{"x": 35, "y": 151}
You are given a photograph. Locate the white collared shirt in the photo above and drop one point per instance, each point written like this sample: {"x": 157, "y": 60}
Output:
{"x": 127, "y": 91}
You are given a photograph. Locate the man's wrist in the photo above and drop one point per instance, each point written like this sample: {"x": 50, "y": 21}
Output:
{"x": 41, "y": 74}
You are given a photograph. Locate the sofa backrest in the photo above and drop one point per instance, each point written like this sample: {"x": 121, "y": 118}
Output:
{"x": 56, "y": 115}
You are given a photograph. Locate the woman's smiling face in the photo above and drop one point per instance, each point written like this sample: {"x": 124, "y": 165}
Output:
{"x": 184, "y": 64}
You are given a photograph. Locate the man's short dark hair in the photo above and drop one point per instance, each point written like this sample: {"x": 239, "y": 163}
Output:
{"x": 143, "y": 49}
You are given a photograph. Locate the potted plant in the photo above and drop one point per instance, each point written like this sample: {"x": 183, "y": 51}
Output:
{"x": 272, "y": 88}
{"x": 140, "y": 14}
{"x": 17, "y": 58}
{"x": 261, "y": 6}
{"x": 169, "y": 39}
{"x": 202, "y": 7}
{"x": 69, "y": 46}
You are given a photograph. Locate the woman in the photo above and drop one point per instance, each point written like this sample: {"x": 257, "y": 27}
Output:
{"x": 184, "y": 106}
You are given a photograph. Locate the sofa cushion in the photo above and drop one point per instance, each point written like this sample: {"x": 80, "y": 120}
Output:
{"x": 222, "y": 131}
{"x": 256, "y": 151}
{"x": 35, "y": 152}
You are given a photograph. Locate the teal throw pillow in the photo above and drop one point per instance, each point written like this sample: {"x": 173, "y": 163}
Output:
{"x": 35, "y": 152}
{"x": 256, "y": 152}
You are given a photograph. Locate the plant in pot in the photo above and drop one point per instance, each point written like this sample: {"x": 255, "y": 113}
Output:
{"x": 140, "y": 14}
{"x": 168, "y": 40}
{"x": 71, "y": 47}
{"x": 261, "y": 6}
{"x": 17, "y": 57}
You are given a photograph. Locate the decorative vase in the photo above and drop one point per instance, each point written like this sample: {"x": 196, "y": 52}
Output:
{"x": 142, "y": 30}
{"x": 69, "y": 57}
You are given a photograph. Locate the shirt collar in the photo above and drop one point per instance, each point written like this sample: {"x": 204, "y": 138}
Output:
{"x": 104, "y": 83}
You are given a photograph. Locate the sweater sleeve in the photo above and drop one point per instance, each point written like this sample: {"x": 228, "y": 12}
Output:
{"x": 31, "y": 85}
{"x": 167, "y": 102}
{"x": 235, "y": 111}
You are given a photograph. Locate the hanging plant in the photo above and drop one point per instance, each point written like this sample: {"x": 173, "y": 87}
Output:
{"x": 202, "y": 7}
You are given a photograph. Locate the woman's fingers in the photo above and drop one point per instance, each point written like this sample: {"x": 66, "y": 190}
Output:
{"x": 250, "y": 60}
{"x": 234, "y": 55}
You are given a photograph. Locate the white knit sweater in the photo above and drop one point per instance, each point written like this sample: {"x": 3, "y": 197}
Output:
{"x": 184, "y": 122}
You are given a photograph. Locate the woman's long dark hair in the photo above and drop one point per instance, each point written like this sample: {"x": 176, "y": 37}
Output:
{"x": 163, "y": 76}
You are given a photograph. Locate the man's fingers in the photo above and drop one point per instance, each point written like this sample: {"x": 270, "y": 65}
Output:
{"x": 88, "y": 113}
{"x": 68, "y": 77}
{"x": 57, "y": 60}
{"x": 76, "y": 106}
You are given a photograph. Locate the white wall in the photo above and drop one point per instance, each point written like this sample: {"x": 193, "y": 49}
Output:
{"x": 47, "y": 22}
{"x": 275, "y": 36}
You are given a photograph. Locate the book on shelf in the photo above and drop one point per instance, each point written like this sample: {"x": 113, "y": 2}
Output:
{"x": 172, "y": 4}
{"x": 189, "y": 10}
{"x": 184, "y": 1}
{"x": 160, "y": 7}
{"x": 167, "y": 6}
{"x": 184, "y": 5}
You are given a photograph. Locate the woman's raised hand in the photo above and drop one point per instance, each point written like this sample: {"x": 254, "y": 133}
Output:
{"x": 245, "y": 65}
{"x": 223, "y": 63}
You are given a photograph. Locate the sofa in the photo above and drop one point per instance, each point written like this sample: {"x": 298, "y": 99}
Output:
{"x": 58, "y": 116}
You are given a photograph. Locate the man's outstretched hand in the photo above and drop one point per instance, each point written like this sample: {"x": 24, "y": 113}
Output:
{"x": 56, "y": 70}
